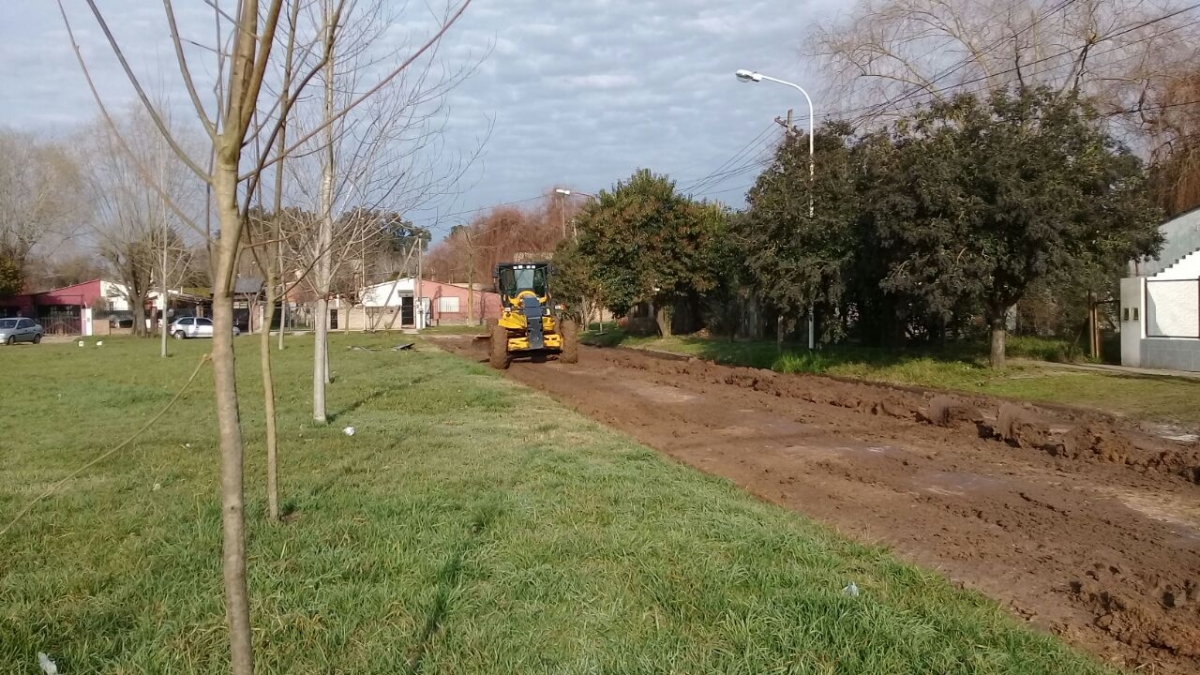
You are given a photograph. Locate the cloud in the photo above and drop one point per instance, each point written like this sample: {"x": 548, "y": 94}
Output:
{"x": 582, "y": 93}
{"x": 598, "y": 81}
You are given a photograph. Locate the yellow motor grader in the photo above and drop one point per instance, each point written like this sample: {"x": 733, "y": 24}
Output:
{"x": 527, "y": 326}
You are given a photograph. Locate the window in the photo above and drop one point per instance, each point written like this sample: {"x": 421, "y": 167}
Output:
{"x": 1125, "y": 315}
{"x": 1135, "y": 314}
{"x": 25, "y": 323}
{"x": 8, "y": 323}
{"x": 527, "y": 278}
{"x": 185, "y": 322}
{"x": 448, "y": 305}
{"x": 203, "y": 322}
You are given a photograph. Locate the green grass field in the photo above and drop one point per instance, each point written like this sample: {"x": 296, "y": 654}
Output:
{"x": 470, "y": 526}
{"x": 1155, "y": 398}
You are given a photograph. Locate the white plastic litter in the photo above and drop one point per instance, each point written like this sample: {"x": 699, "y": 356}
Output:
{"x": 99, "y": 343}
{"x": 851, "y": 590}
{"x": 157, "y": 487}
{"x": 349, "y": 431}
{"x": 81, "y": 343}
{"x": 47, "y": 665}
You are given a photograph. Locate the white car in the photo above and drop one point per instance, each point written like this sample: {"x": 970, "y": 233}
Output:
{"x": 18, "y": 329}
{"x": 195, "y": 327}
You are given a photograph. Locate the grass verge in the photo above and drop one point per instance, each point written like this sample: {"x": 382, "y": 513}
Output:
{"x": 1155, "y": 398}
{"x": 469, "y": 526}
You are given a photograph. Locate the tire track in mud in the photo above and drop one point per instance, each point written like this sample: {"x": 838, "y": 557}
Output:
{"x": 1078, "y": 522}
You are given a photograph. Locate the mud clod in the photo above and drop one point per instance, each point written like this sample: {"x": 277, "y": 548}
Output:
{"x": 944, "y": 411}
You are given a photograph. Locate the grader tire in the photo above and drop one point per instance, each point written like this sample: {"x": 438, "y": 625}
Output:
{"x": 498, "y": 357}
{"x": 570, "y": 342}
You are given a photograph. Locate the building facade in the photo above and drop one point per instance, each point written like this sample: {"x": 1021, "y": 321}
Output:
{"x": 1160, "y": 304}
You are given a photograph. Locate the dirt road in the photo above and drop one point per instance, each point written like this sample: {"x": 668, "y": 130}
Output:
{"x": 1080, "y": 524}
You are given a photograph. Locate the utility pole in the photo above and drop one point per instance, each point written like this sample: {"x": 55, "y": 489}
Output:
{"x": 788, "y": 130}
{"x": 562, "y": 211}
{"x": 786, "y": 123}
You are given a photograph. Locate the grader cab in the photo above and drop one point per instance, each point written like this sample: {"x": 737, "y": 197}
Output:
{"x": 527, "y": 325}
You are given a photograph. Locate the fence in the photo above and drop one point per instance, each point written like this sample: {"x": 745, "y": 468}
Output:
{"x": 61, "y": 320}
{"x": 1173, "y": 308}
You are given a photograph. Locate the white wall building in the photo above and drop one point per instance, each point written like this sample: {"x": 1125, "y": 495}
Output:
{"x": 1160, "y": 306}
{"x": 381, "y": 301}
{"x": 117, "y": 296}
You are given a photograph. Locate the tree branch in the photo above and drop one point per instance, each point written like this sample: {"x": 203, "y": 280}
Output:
{"x": 137, "y": 86}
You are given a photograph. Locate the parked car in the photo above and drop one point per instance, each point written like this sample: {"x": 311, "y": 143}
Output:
{"x": 195, "y": 327}
{"x": 17, "y": 330}
{"x": 120, "y": 321}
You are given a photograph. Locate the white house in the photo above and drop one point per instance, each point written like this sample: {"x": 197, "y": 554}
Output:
{"x": 1160, "y": 305}
{"x": 116, "y": 295}
{"x": 381, "y": 301}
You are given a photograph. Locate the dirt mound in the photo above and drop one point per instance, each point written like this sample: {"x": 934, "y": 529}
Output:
{"x": 1017, "y": 427}
{"x": 1159, "y": 617}
{"x": 949, "y": 412}
{"x": 1099, "y": 442}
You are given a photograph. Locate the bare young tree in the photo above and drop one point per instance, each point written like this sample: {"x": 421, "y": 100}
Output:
{"x": 136, "y": 234}
{"x": 41, "y": 195}
{"x": 245, "y": 42}
{"x": 386, "y": 155}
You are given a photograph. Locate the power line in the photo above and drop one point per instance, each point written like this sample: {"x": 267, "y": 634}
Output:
{"x": 481, "y": 208}
{"x": 753, "y": 146}
{"x": 758, "y": 163}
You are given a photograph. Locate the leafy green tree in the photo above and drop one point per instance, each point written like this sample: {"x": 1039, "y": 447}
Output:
{"x": 989, "y": 196}
{"x": 799, "y": 234}
{"x": 574, "y": 281}
{"x": 645, "y": 242}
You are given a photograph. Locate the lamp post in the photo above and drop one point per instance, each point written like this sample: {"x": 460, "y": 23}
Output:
{"x": 563, "y": 193}
{"x": 755, "y": 76}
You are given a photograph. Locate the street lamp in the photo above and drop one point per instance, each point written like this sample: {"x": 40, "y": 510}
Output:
{"x": 754, "y": 76}
{"x": 563, "y": 193}
{"x": 568, "y": 193}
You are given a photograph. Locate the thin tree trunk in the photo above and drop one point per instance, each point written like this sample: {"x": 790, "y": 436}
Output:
{"x": 268, "y": 376}
{"x": 325, "y": 239}
{"x": 237, "y": 601}
{"x": 999, "y": 333}
{"x": 162, "y": 300}
{"x": 321, "y": 321}
{"x": 268, "y": 382}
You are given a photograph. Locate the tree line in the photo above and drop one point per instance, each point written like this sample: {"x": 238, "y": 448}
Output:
{"x": 933, "y": 227}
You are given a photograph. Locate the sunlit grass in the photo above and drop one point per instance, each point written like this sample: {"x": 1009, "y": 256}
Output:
{"x": 469, "y": 526}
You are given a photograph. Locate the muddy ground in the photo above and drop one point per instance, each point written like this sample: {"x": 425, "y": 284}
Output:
{"x": 1081, "y": 524}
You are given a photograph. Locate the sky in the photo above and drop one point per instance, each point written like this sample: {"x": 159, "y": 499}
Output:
{"x": 578, "y": 93}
